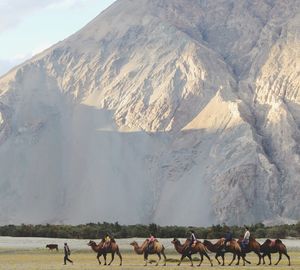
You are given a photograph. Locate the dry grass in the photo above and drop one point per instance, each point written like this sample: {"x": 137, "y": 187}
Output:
{"x": 86, "y": 260}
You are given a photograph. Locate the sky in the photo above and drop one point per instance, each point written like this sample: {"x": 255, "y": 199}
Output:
{"x": 27, "y": 27}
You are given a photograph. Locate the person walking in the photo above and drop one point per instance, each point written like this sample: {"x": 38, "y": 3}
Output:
{"x": 67, "y": 254}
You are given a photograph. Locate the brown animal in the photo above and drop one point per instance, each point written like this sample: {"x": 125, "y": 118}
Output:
{"x": 252, "y": 246}
{"x": 52, "y": 246}
{"x": 186, "y": 250}
{"x": 276, "y": 246}
{"x": 232, "y": 247}
{"x": 100, "y": 250}
{"x": 158, "y": 249}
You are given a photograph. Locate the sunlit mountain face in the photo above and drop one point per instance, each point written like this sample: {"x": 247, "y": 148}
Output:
{"x": 172, "y": 112}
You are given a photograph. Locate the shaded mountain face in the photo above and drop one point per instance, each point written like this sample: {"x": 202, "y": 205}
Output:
{"x": 173, "y": 112}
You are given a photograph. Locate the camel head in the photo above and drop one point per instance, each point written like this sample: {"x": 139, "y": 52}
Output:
{"x": 175, "y": 241}
{"x": 134, "y": 243}
{"x": 91, "y": 243}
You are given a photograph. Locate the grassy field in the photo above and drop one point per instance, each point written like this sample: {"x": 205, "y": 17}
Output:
{"x": 38, "y": 259}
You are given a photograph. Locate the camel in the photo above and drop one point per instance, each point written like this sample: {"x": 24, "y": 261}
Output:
{"x": 276, "y": 246}
{"x": 186, "y": 250}
{"x": 232, "y": 247}
{"x": 253, "y": 245}
{"x": 158, "y": 249}
{"x": 112, "y": 248}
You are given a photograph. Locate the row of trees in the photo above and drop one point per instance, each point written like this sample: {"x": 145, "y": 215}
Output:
{"x": 98, "y": 230}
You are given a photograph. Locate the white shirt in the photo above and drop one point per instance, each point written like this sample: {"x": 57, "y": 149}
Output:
{"x": 247, "y": 235}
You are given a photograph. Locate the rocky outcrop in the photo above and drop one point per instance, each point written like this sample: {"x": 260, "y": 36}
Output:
{"x": 158, "y": 111}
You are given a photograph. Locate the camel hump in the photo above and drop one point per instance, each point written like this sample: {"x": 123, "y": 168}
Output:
{"x": 278, "y": 241}
{"x": 158, "y": 245}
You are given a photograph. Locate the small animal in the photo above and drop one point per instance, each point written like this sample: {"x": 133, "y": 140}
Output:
{"x": 52, "y": 246}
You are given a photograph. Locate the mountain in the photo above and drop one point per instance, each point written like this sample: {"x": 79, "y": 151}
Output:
{"x": 173, "y": 112}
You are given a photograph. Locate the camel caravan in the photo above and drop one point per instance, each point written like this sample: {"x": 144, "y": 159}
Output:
{"x": 238, "y": 248}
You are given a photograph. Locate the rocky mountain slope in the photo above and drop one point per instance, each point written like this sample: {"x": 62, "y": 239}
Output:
{"x": 173, "y": 112}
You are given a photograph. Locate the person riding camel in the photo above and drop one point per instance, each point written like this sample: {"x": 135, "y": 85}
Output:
{"x": 246, "y": 238}
{"x": 227, "y": 238}
{"x": 151, "y": 241}
{"x": 107, "y": 241}
{"x": 193, "y": 240}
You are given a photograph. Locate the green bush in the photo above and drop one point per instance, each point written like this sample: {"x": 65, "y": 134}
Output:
{"x": 98, "y": 230}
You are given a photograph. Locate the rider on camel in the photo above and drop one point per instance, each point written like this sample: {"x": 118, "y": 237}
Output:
{"x": 246, "y": 238}
{"x": 107, "y": 240}
{"x": 228, "y": 237}
{"x": 151, "y": 241}
{"x": 193, "y": 240}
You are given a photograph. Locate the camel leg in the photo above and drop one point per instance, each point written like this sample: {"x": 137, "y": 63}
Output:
{"x": 259, "y": 257}
{"x": 146, "y": 258}
{"x": 182, "y": 257}
{"x": 190, "y": 257}
{"x": 245, "y": 260}
{"x": 270, "y": 259}
{"x": 98, "y": 258}
{"x": 201, "y": 258}
{"x": 210, "y": 260}
{"x": 104, "y": 255}
{"x": 159, "y": 258}
{"x": 233, "y": 258}
{"x": 216, "y": 257}
{"x": 279, "y": 259}
{"x": 112, "y": 258}
{"x": 165, "y": 258}
{"x": 288, "y": 257}
{"x": 223, "y": 259}
{"x": 263, "y": 258}
{"x": 120, "y": 256}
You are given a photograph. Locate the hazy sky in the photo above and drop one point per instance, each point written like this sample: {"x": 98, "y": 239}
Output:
{"x": 30, "y": 26}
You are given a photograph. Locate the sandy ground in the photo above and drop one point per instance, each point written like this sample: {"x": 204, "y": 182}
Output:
{"x": 31, "y": 254}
